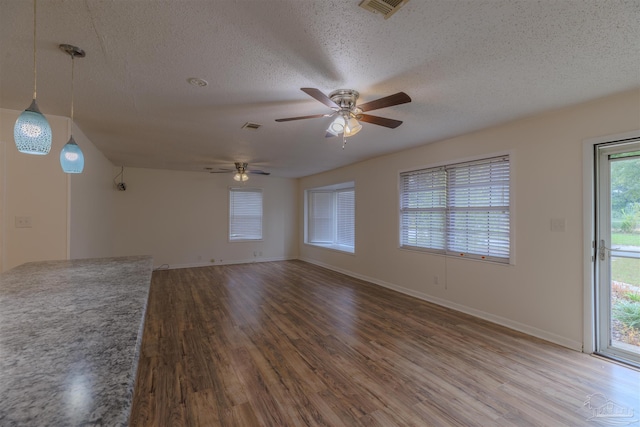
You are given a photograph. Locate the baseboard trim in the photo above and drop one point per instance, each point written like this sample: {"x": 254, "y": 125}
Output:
{"x": 503, "y": 321}
{"x": 225, "y": 262}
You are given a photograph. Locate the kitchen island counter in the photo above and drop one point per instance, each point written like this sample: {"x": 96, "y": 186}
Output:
{"x": 70, "y": 334}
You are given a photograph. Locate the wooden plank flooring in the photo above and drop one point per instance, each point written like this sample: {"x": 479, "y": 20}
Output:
{"x": 292, "y": 344}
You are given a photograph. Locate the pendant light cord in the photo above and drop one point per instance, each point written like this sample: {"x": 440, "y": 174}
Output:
{"x": 34, "y": 50}
{"x": 73, "y": 58}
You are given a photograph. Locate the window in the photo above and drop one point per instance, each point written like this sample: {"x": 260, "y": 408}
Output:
{"x": 330, "y": 214}
{"x": 461, "y": 209}
{"x": 245, "y": 214}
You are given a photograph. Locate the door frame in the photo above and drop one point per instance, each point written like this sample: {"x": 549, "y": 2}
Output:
{"x": 589, "y": 165}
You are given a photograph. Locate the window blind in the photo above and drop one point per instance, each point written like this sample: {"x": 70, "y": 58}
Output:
{"x": 245, "y": 214}
{"x": 423, "y": 208}
{"x": 478, "y": 221}
{"x": 345, "y": 217}
{"x": 330, "y": 215}
{"x": 460, "y": 209}
{"x": 321, "y": 217}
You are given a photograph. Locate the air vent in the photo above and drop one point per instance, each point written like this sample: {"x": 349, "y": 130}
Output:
{"x": 385, "y": 8}
{"x": 251, "y": 126}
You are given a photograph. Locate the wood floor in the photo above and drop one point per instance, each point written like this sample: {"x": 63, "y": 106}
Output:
{"x": 292, "y": 344}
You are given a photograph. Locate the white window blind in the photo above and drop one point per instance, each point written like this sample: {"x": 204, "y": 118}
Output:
{"x": 331, "y": 217}
{"x": 345, "y": 217}
{"x": 423, "y": 208}
{"x": 321, "y": 217}
{"x": 245, "y": 214}
{"x": 460, "y": 209}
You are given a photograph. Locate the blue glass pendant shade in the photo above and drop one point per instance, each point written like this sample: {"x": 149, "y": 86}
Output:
{"x": 32, "y": 132}
{"x": 71, "y": 157}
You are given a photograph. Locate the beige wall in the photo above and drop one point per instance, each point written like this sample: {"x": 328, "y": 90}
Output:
{"x": 542, "y": 294}
{"x": 35, "y": 187}
{"x": 181, "y": 218}
{"x": 71, "y": 214}
{"x": 91, "y": 203}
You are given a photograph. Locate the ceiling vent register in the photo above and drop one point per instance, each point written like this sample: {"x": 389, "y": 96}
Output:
{"x": 251, "y": 126}
{"x": 384, "y": 7}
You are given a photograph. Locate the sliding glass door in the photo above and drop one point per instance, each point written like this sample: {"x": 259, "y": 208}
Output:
{"x": 618, "y": 250}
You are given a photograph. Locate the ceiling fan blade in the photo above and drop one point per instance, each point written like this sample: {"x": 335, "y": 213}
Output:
{"x": 258, "y": 172}
{"x": 380, "y": 121}
{"x": 222, "y": 171}
{"x": 318, "y": 95}
{"x": 314, "y": 116}
{"x": 330, "y": 135}
{"x": 387, "y": 101}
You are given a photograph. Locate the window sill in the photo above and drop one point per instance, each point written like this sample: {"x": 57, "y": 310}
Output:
{"x": 453, "y": 256}
{"x": 336, "y": 248}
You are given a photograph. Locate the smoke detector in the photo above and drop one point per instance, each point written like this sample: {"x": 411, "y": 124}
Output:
{"x": 385, "y": 8}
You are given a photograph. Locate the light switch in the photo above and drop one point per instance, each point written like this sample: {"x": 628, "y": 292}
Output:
{"x": 23, "y": 222}
{"x": 558, "y": 224}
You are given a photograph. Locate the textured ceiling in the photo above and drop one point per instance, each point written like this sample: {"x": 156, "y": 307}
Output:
{"x": 467, "y": 65}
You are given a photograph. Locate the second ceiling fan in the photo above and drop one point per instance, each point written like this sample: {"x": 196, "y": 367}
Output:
{"x": 343, "y": 104}
{"x": 241, "y": 171}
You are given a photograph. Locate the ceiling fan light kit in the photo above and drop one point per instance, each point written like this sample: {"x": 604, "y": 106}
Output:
{"x": 337, "y": 126}
{"x": 343, "y": 103}
{"x": 241, "y": 177}
{"x": 352, "y": 127}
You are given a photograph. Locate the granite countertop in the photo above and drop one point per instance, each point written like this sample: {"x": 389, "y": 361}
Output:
{"x": 70, "y": 334}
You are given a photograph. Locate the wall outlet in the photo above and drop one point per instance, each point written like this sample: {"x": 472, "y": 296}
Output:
{"x": 558, "y": 224}
{"x": 23, "y": 222}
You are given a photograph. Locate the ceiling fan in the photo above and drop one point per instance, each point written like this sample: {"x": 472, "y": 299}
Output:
{"x": 241, "y": 171}
{"x": 343, "y": 103}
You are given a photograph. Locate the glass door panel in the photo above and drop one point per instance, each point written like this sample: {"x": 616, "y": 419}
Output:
{"x": 618, "y": 284}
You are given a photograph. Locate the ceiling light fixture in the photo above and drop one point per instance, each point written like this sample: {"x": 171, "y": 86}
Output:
{"x": 32, "y": 132}
{"x": 195, "y": 81}
{"x": 241, "y": 177}
{"x": 344, "y": 124}
{"x": 71, "y": 157}
{"x": 337, "y": 126}
{"x": 352, "y": 127}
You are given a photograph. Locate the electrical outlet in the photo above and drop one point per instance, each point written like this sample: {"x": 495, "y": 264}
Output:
{"x": 23, "y": 222}
{"x": 558, "y": 224}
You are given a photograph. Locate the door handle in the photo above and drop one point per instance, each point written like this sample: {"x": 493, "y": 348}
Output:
{"x": 602, "y": 251}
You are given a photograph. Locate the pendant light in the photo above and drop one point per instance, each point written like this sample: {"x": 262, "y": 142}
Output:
{"x": 71, "y": 157}
{"x": 32, "y": 132}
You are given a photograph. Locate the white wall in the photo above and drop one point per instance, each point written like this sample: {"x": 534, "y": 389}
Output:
{"x": 91, "y": 203}
{"x": 71, "y": 214}
{"x": 181, "y": 218}
{"x": 542, "y": 293}
{"x": 35, "y": 187}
